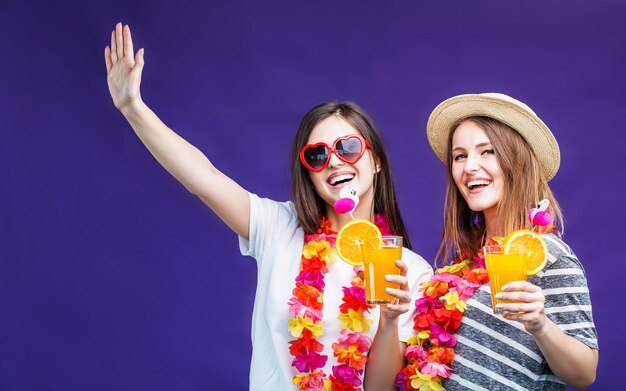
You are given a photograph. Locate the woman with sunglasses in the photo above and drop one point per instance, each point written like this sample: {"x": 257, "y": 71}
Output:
{"x": 499, "y": 157}
{"x": 311, "y": 326}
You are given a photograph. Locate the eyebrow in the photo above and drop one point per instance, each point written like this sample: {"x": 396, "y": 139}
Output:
{"x": 477, "y": 146}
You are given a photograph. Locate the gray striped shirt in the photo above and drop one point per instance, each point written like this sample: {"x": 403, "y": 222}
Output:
{"x": 493, "y": 353}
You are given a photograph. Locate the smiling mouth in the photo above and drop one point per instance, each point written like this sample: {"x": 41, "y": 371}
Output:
{"x": 477, "y": 184}
{"x": 340, "y": 179}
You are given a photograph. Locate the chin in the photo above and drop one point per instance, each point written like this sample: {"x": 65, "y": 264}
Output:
{"x": 480, "y": 207}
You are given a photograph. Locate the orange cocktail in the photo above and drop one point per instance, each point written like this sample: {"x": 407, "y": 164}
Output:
{"x": 503, "y": 268}
{"x": 377, "y": 263}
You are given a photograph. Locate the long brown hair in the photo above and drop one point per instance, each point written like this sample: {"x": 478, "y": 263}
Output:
{"x": 524, "y": 186}
{"x": 309, "y": 205}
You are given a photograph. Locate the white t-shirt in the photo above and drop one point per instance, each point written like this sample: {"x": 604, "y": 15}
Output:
{"x": 275, "y": 241}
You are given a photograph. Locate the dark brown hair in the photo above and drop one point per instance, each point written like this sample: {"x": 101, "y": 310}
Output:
{"x": 524, "y": 186}
{"x": 310, "y": 207}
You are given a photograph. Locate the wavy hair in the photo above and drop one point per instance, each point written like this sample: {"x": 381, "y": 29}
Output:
{"x": 524, "y": 186}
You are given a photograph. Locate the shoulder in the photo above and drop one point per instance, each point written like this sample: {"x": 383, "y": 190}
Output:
{"x": 556, "y": 245}
{"x": 267, "y": 203}
{"x": 268, "y": 208}
{"x": 564, "y": 273}
{"x": 269, "y": 218}
{"x": 560, "y": 255}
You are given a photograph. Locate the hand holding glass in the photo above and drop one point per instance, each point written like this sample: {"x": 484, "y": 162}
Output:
{"x": 504, "y": 268}
{"x": 377, "y": 263}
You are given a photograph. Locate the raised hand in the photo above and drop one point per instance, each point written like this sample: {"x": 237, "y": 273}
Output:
{"x": 123, "y": 68}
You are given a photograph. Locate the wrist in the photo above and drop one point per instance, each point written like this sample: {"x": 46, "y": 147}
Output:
{"x": 133, "y": 108}
{"x": 387, "y": 321}
{"x": 543, "y": 331}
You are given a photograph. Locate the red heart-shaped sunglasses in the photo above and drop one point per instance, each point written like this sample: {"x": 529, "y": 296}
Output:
{"x": 349, "y": 149}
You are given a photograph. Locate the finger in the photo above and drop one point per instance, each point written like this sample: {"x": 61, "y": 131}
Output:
{"x": 107, "y": 59}
{"x": 404, "y": 283}
{"x": 521, "y": 286}
{"x": 119, "y": 41}
{"x": 520, "y": 307}
{"x": 402, "y": 266}
{"x": 513, "y": 316}
{"x": 527, "y": 317}
{"x": 128, "y": 43}
{"x": 113, "y": 48}
{"x": 403, "y": 296}
{"x": 520, "y": 296}
{"x": 397, "y": 279}
{"x": 398, "y": 308}
{"x": 138, "y": 63}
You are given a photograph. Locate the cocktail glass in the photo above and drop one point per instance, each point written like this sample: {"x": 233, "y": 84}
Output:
{"x": 377, "y": 263}
{"x": 503, "y": 268}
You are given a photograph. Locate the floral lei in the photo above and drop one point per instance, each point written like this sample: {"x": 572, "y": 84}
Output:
{"x": 439, "y": 314}
{"x": 306, "y": 325}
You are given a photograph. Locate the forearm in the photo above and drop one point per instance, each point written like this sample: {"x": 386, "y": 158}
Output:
{"x": 181, "y": 159}
{"x": 191, "y": 168}
{"x": 569, "y": 359}
{"x": 184, "y": 161}
{"x": 385, "y": 358}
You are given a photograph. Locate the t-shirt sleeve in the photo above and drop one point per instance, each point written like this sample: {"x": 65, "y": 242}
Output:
{"x": 567, "y": 298}
{"x": 268, "y": 218}
{"x": 418, "y": 271}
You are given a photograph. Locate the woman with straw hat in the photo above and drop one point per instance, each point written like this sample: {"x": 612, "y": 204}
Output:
{"x": 499, "y": 156}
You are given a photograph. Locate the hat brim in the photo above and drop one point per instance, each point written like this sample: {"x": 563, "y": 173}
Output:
{"x": 502, "y": 108}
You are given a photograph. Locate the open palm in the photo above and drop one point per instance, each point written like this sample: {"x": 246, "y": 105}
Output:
{"x": 123, "y": 67}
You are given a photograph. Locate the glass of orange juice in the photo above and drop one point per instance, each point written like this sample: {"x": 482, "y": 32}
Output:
{"x": 503, "y": 268}
{"x": 377, "y": 263}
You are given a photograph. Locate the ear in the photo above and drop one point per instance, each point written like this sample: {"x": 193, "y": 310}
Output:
{"x": 377, "y": 166}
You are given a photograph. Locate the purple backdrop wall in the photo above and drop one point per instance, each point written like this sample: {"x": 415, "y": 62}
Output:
{"x": 113, "y": 277}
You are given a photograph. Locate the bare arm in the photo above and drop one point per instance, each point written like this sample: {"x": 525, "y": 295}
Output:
{"x": 184, "y": 161}
{"x": 386, "y": 357}
{"x": 571, "y": 361}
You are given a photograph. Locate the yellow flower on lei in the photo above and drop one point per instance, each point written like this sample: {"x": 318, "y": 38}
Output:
{"x": 418, "y": 338}
{"x": 316, "y": 249}
{"x": 355, "y": 321}
{"x": 300, "y": 378}
{"x": 297, "y": 325}
{"x": 413, "y": 340}
{"x": 424, "y": 382}
{"x": 423, "y": 334}
{"x": 454, "y": 269}
{"x": 453, "y": 301}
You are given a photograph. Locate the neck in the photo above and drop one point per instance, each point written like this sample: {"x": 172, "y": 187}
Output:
{"x": 491, "y": 222}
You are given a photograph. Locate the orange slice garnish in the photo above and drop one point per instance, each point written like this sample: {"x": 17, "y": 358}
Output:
{"x": 534, "y": 245}
{"x": 353, "y": 237}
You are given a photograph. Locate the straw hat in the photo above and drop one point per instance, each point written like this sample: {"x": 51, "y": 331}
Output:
{"x": 502, "y": 108}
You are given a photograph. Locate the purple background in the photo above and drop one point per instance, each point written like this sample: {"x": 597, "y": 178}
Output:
{"x": 113, "y": 277}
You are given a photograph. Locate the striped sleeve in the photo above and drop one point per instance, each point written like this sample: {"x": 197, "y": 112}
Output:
{"x": 564, "y": 285}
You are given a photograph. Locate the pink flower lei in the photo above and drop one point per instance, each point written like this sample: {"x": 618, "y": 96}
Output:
{"x": 306, "y": 326}
{"x": 440, "y": 311}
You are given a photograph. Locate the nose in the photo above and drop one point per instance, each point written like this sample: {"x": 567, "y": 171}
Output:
{"x": 334, "y": 161}
{"x": 471, "y": 164}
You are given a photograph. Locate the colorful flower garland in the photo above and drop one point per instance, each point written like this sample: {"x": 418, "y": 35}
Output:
{"x": 439, "y": 314}
{"x": 306, "y": 306}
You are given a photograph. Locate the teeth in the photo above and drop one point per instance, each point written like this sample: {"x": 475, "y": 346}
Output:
{"x": 339, "y": 178}
{"x": 471, "y": 184}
